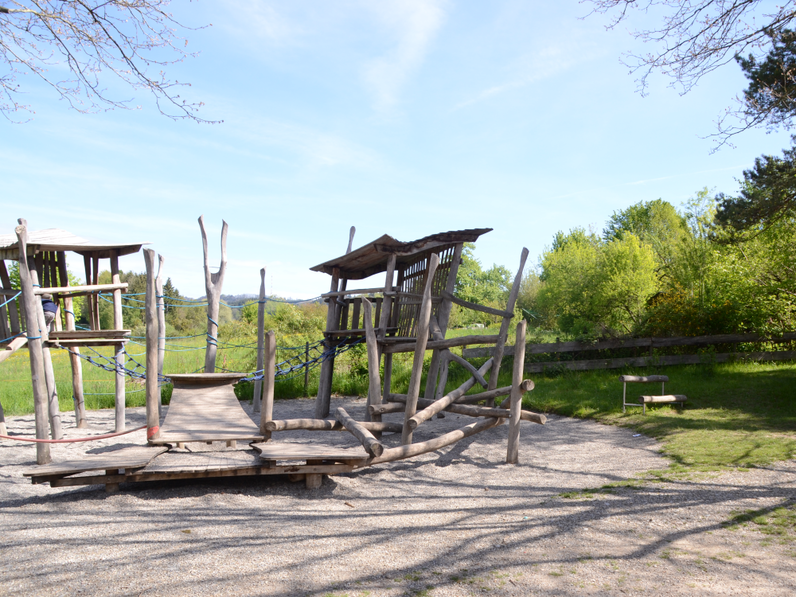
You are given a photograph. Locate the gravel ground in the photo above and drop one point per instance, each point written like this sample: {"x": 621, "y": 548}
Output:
{"x": 458, "y": 522}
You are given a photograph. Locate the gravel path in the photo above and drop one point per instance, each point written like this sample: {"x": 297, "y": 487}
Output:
{"x": 454, "y": 523}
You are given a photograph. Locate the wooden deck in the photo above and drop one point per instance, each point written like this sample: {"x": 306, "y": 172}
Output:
{"x": 204, "y": 408}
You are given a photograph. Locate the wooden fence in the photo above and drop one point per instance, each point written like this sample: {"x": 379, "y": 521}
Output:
{"x": 651, "y": 345}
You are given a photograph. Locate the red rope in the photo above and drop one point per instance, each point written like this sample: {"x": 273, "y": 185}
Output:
{"x": 70, "y": 441}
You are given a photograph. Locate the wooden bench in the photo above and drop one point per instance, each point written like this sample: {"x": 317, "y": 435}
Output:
{"x": 644, "y": 400}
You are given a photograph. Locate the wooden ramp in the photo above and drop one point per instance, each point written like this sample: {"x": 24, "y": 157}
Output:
{"x": 126, "y": 458}
{"x": 204, "y": 408}
{"x": 12, "y": 347}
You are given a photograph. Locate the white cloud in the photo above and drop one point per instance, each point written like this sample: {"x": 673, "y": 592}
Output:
{"x": 413, "y": 23}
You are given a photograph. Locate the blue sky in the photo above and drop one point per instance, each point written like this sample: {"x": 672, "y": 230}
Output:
{"x": 405, "y": 117}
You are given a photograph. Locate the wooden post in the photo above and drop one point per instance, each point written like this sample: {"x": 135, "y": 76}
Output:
{"x": 420, "y": 350}
{"x": 74, "y": 353}
{"x": 151, "y": 318}
{"x": 444, "y": 315}
{"x": 258, "y": 383}
{"x": 161, "y": 304}
{"x": 34, "y": 346}
{"x": 13, "y": 314}
{"x": 384, "y": 319}
{"x": 306, "y": 368}
{"x": 118, "y": 324}
{"x": 504, "y": 326}
{"x": 269, "y": 379}
{"x": 49, "y": 374}
{"x": 513, "y": 448}
{"x": 213, "y": 285}
{"x": 374, "y": 380}
{"x": 323, "y": 400}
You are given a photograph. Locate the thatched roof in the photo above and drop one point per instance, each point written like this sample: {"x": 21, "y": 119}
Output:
{"x": 54, "y": 239}
{"x": 372, "y": 258}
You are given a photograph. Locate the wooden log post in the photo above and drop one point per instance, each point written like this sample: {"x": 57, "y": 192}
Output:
{"x": 513, "y": 446}
{"x": 213, "y": 285}
{"x": 384, "y": 319}
{"x": 151, "y": 319}
{"x": 365, "y": 437}
{"x": 439, "y": 405}
{"x": 408, "y": 451}
{"x": 74, "y": 352}
{"x": 269, "y": 379}
{"x": 374, "y": 379}
{"x": 444, "y": 314}
{"x": 49, "y": 373}
{"x": 161, "y": 304}
{"x": 118, "y": 324}
{"x": 323, "y": 400}
{"x": 329, "y": 425}
{"x": 504, "y": 326}
{"x": 258, "y": 383}
{"x": 35, "y": 351}
{"x": 422, "y": 326}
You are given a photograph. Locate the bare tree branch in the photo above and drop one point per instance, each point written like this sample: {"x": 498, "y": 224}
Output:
{"x": 131, "y": 40}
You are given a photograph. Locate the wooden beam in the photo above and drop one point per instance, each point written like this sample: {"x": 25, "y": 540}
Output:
{"x": 269, "y": 379}
{"x": 365, "y": 437}
{"x": 421, "y": 326}
{"x": 374, "y": 379}
{"x": 475, "y": 306}
{"x": 258, "y": 383}
{"x": 329, "y": 425}
{"x": 151, "y": 320}
{"x": 513, "y": 444}
{"x": 447, "y": 343}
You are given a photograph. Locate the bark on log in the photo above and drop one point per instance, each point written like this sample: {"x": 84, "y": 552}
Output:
{"x": 365, "y": 437}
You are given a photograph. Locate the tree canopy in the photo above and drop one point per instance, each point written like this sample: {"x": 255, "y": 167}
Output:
{"x": 93, "y": 41}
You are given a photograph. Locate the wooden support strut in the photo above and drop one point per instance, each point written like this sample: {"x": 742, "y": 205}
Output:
{"x": 441, "y": 404}
{"x": 269, "y": 378}
{"x": 118, "y": 323}
{"x": 515, "y": 406}
{"x": 504, "y": 326}
{"x": 422, "y": 326}
{"x": 161, "y": 306}
{"x": 365, "y": 437}
{"x": 374, "y": 380}
{"x": 470, "y": 410}
{"x": 74, "y": 353}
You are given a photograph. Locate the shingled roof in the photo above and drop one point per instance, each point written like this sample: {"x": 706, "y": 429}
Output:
{"x": 372, "y": 258}
{"x": 54, "y": 239}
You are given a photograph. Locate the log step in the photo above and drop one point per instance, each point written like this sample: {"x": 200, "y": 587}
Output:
{"x": 662, "y": 399}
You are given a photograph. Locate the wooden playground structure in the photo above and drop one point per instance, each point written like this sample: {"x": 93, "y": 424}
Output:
{"x": 409, "y": 313}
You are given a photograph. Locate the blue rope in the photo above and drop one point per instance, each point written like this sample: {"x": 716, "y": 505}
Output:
{"x": 11, "y": 299}
{"x": 12, "y": 337}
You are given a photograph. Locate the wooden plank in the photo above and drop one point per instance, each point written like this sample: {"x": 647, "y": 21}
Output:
{"x": 200, "y": 414}
{"x": 90, "y": 334}
{"x": 125, "y": 458}
{"x": 296, "y": 451}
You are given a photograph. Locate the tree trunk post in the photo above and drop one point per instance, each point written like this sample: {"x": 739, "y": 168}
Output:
{"x": 213, "y": 285}
{"x": 258, "y": 383}
{"x": 515, "y": 408}
{"x": 161, "y": 304}
{"x": 151, "y": 319}
{"x": 504, "y": 326}
{"x": 118, "y": 324}
{"x": 420, "y": 350}
{"x": 35, "y": 352}
{"x": 269, "y": 378}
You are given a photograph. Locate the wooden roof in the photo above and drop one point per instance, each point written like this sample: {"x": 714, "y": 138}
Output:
{"x": 54, "y": 239}
{"x": 372, "y": 258}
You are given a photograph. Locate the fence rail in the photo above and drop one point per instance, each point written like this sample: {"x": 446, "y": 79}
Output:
{"x": 649, "y": 343}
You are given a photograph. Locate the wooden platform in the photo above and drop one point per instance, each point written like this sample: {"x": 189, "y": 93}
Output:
{"x": 140, "y": 464}
{"x": 204, "y": 408}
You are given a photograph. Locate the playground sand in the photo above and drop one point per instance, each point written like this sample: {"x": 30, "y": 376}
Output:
{"x": 457, "y": 522}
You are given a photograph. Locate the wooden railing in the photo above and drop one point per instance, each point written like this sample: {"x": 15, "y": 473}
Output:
{"x": 651, "y": 359}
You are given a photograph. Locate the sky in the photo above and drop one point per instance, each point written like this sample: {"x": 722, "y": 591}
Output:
{"x": 404, "y": 117}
